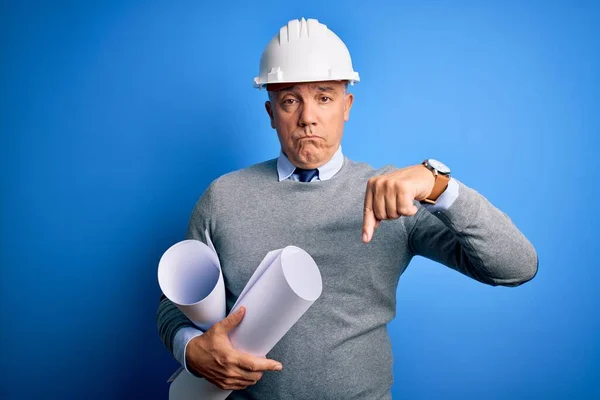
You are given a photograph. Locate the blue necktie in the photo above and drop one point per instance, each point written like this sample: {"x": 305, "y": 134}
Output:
{"x": 306, "y": 175}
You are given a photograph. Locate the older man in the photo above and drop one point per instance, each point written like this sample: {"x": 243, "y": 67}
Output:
{"x": 313, "y": 197}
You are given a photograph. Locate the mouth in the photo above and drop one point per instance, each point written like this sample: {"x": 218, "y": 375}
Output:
{"x": 309, "y": 137}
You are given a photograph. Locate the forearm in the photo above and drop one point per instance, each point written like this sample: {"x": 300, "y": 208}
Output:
{"x": 170, "y": 320}
{"x": 479, "y": 240}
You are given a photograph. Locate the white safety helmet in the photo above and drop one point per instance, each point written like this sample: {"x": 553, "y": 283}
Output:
{"x": 305, "y": 51}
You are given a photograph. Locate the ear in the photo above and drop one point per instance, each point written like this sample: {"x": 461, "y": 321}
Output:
{"x": 269, "y": 109}
{"x": 348, "y": 100}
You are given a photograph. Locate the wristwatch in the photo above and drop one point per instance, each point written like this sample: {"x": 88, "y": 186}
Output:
{"x": 442, "y": 176}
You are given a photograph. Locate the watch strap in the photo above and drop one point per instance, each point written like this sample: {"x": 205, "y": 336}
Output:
{"x": 441, "y": 183}
{"x": 439, "y": 186}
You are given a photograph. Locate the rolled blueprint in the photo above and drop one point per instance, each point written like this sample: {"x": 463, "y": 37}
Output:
{"x": 189, "y": 274}
{"x": 285, "y": 284}
{"x": 289, "y": 282}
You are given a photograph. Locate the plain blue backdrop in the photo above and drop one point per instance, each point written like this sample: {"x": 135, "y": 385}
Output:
{"x": 115, "y": 116}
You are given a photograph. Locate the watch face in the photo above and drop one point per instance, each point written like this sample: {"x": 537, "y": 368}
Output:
{"x": 440, "y": 166}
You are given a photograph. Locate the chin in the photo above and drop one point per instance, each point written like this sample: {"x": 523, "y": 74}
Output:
{"x": 312, "y": 159}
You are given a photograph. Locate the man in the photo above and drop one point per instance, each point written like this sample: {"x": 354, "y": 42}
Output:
{"x": 362, "y": 227}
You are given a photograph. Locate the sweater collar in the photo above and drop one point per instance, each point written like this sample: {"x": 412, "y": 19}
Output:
{"x": 285, "y": 168}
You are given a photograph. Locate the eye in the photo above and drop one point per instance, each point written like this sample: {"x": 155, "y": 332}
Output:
{"x": 289, "y": 102}
{"x": 326, "y": 99}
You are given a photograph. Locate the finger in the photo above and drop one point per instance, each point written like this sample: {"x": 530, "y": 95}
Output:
{"x": 370, "y": 223}
{"x": 405, "y": 204}
{"x": 250, "y": 377}
{"x": 258, "y": 364}
{"x": 231, "y": 321}
{"x": 369, "y": 220}
{"x": 232, "y": 384}
{"x": 390, "y": 204}
{"x": 379, "y": 203}
{"x": 246, "y": 375}
{"x": 372, "y": 227}
{"x": 243, "y": 377}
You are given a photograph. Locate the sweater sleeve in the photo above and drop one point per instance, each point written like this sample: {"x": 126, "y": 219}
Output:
{"x": 476, "y": 239}
{"x": 169, "y": 318}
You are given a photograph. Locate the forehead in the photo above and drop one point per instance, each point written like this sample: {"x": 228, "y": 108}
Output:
{"x": 327, "y": 86}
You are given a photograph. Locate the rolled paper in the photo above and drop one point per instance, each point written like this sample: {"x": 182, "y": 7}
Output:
{"x": 189, "y": 274}
{"x": 285, "y": 284}
{"x": 282, "y": 294}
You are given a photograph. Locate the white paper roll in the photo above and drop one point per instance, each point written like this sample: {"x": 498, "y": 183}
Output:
{"x": 285, "y": 284}
{"x": 283, "y": 293}
{"x": 189, "y": 274}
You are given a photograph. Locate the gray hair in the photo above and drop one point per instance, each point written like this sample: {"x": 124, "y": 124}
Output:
{"x": 270, "y": 93}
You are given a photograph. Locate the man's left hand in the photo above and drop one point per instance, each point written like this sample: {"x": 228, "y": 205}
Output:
{"x": 391, "y": 195}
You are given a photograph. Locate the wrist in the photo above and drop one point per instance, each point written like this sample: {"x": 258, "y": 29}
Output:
{"x": 188, "y": 338}
{"x": 446, "y": 199}
{"x": 441, "y": 175}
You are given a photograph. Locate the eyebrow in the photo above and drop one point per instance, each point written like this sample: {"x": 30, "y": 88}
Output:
{"x": 325, "y": 89}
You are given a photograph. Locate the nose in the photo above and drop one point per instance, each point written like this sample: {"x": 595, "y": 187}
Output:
{"x": 308, "y": 116}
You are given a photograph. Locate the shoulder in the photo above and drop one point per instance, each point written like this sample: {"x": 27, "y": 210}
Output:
{"x": 232, "y": 186}
{"x": 237, "y": 180}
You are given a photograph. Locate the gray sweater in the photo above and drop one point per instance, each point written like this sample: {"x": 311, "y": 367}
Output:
{"x": 340, "y": 349}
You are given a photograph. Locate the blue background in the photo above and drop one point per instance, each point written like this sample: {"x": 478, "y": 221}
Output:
{"x": 115, "y": 116}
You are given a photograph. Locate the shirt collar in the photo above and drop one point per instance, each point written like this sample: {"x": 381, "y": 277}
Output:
{"x": 285, "y": 168}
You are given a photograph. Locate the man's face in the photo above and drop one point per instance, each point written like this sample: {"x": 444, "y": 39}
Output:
{"x": 309, "y": 119}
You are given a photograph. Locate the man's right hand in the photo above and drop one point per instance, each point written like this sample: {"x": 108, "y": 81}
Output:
{"x": 212, "y": 356}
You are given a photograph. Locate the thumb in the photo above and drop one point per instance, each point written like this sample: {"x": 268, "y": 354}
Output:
{"x": 232, "y": 320}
